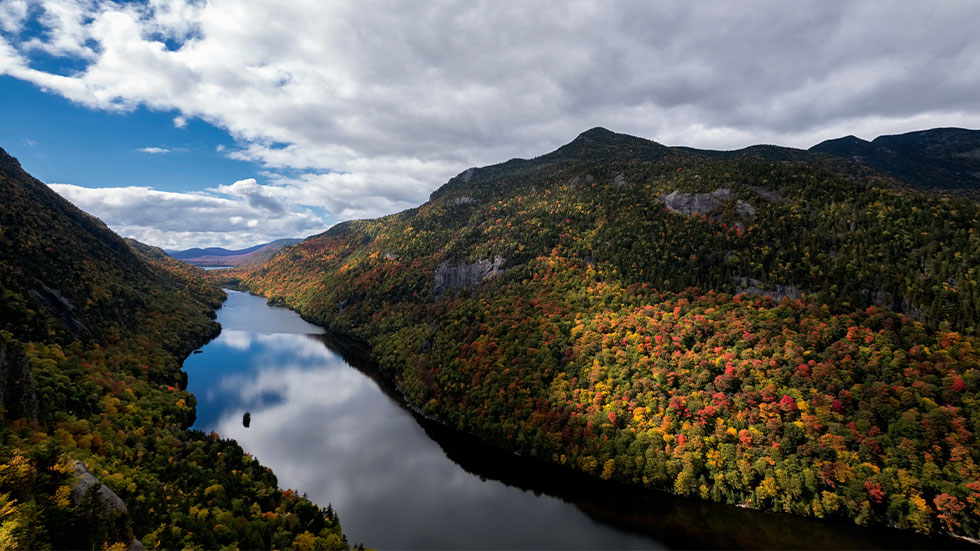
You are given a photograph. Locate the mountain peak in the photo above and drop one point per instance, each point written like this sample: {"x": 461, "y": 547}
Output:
{"x": 604, "y": 136}
{"x": 596, "y": 133}
{"x": 835, "y": 144}
{"x": 602, "y": 142}
{"x": 9, "y": 162}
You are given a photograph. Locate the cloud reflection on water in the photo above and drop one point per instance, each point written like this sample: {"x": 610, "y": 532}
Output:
{"x": 239, "y": 340}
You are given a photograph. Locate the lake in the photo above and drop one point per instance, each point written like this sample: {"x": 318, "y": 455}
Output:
{"x": 327, "y": 428}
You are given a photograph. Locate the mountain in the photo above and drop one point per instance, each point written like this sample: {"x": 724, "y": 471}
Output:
{"x": 210, "y": 251}
{"x": 216, "y": 256}
{"x": 94, "y": 451}
{"x": 937, "y": 159}
{"x": 774, "y": 328}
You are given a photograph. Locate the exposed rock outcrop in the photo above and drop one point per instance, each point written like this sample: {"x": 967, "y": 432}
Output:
{"x": 910, "y": 309}
{"x": 693, "y": 204}
{"x": 768, "y": 195}
{"x": 462, "y": 200}
{"x": 109, "y": 500}
{"x": 879, "y": 297}
{"x": 744, "y": 209}
{"x": 777, "y": 292}
{"x": 467, "y": 174}
{"x": 110, "y": 506}
{"x": 722, "y": 193}
{"x": 466, "y": 276}
{"x": 59, "y": 307}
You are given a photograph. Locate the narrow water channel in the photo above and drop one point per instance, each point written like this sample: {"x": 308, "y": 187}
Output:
{"x": 328, "y": 430}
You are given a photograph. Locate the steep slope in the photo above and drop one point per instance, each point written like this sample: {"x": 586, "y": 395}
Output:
{"x": 70, "y": 263}
{"x": 771, "y": 328}
{"x": 93, "y": 447}
{"x": 937, "y": 159}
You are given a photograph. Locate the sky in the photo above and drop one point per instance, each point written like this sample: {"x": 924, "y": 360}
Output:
{"x": 189, "y": 123}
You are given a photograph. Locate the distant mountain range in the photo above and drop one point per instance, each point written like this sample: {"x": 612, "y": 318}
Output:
{"x": 938, "y": 159}
{"x": 217, "y": 256}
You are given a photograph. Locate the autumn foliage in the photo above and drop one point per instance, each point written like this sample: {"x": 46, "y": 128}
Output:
{"x": 620, "y": 338}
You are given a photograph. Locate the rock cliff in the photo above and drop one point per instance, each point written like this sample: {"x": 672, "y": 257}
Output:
{"x": 466, "y": 276}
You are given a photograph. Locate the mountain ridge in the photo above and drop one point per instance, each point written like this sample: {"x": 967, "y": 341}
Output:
{"x": 706, "y": 323}
{"x": 938, "y": 158}
{"x": 217, "y": 256}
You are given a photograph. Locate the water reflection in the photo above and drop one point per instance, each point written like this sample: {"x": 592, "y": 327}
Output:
{"x": 328, "y": 430}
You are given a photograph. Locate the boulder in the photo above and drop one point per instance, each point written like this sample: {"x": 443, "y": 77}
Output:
{"x": 109, "y": 500}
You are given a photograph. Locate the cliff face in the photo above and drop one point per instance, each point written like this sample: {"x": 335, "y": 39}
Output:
{"x": 466, "y": 276}
{"x": 58, "y": 307}
{"x": 695, "y": 203}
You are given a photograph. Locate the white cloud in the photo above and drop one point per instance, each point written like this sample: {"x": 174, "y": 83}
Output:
{"x": 12, "y": 15}
{"x": 180, "y": 122}
{"x": 377, "y": 103}
{"x": 155, "y": 150}
{"x": 181, "y": 220}
{"x": 345, "y": 196}
{"x": 66, "y": 32}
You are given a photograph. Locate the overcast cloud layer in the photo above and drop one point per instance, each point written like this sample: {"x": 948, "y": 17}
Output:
{"x": 376, "y": 103}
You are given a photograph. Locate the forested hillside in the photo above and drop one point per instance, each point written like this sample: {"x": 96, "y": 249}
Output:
{"x": 94, "y": 451}
{"x": 771, "y": 328}
{"x": 943, "y": 159}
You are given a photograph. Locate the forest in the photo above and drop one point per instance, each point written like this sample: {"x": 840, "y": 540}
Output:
{"x": 93, "y": 330}
{"x": 769, "y": 328}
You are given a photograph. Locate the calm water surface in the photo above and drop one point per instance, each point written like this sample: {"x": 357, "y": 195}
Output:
{"x": 397, "y": 482}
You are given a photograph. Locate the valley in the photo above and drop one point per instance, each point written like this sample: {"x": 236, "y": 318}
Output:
{"x": 646, "y": 328}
